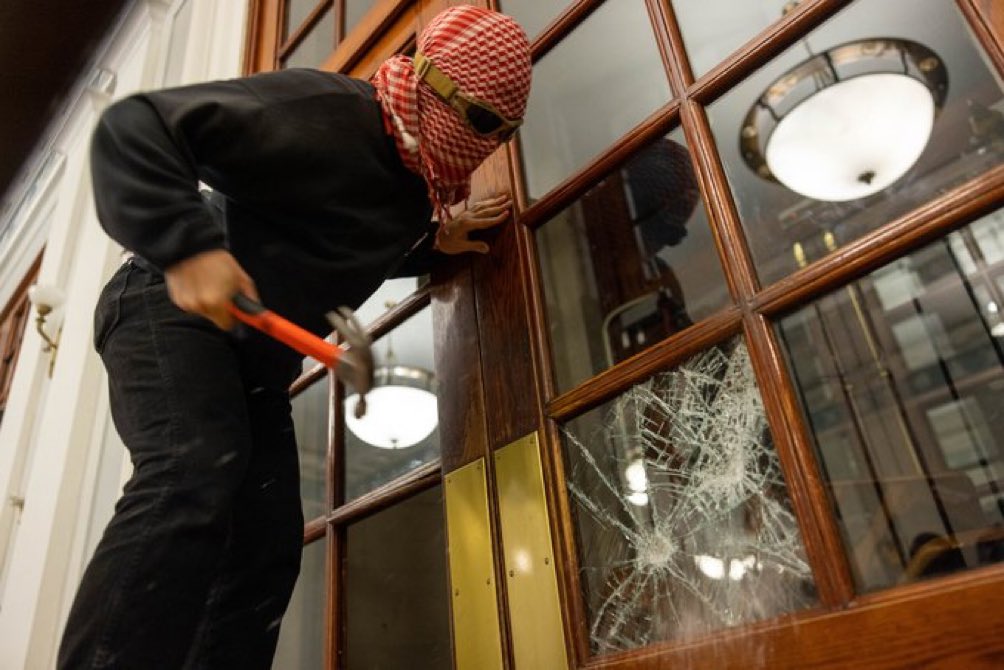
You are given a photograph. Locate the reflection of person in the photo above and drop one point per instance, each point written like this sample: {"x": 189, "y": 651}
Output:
{"x": 664, "y": 192}
{"x": 324, "y": 186}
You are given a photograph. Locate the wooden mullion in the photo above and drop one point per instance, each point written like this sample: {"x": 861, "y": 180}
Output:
{"x": 929, "y": 624}
{"x": 985, "y": 33}
{"x": 763, "y": 48}
{"x": 387, "y": 321}
{"x": 335, "y": 614}
{"x": 261, "y": 44}
{"x": 657, "y": 124}
{"x": 399, "y": 313}
{"x": 657, "y": 18}
{"x": 297, "y": 37}
{"x": 561, "y": 26}
{"x": 420, "y": 479}
{"x": 793, "y": 444}
{"x": 954, "y": 209}
{"x": 570, "y": 592}
{"x": 680, "y": 72}
{"x": 314, "y": 529}
{"x": 364, "y": 36}
{"x": 667, "y": 353}
{"x": 726, "y": 226}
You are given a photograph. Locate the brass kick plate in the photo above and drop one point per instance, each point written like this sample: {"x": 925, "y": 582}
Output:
{"x": 532, "y": 584}
{"x": 476, "y": 638}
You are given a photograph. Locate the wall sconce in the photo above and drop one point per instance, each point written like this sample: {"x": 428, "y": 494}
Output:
{"x": 46, "y": 299}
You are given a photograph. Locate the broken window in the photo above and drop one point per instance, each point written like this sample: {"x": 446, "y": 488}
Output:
{"x": 682, "y": 515}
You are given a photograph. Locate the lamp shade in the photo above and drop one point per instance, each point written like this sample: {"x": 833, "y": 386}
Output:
{"x": 847, "y": 123}
{"x": 401, "y": 408}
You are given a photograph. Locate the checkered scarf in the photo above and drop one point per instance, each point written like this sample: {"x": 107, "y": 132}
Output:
{"x": 487, "y": 55}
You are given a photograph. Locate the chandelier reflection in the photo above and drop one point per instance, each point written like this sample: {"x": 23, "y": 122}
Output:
{"x": 848, "y": 122}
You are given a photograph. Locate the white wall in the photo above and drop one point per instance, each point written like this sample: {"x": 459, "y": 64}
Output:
{"x": 58, "y": 449}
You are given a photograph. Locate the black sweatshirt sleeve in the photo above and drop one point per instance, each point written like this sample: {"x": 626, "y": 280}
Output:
{"x": 146, "y": 187}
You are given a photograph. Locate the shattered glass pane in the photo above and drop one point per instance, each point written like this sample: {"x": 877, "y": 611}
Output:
{"x": 683, "y": 519}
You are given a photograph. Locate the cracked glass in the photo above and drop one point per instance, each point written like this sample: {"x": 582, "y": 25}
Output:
{"x": 682, "y": 516}
{"x": 628, "y": 264}
{"x": 901, "y": 377}
{"x": 885, "y": 106}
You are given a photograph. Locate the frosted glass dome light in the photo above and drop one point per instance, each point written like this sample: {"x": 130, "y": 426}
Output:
{"x": 847, "y": 123}
{"x": 854, "y": 138}
{"x": 401, "y": 409}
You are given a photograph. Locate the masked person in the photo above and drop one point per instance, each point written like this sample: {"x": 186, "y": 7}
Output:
{"x": 323, "y": 186}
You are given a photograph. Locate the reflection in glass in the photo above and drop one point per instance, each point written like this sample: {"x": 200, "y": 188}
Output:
{"x": 901, "y": 376}
{"x": 682, "y": 515}
{"x": 713, "y": 29}
{"x": 397, "y": 596}
{"x": 407, "y": 349}
{"x": 314, "y": 49}
{"x": 301, "y": 637}
{"x": 310, "y": 420}
{"x": 297, "y": 12}
{"x": 594, "y": 86}
{"x": 786, "y": 229}
{"x": 354, "y": 12}
{"x": 630, "y": 263}
{"x": 533, "y": 15}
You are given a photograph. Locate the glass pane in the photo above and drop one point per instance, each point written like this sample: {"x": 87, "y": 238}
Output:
{"x": 683, "y": 520}
{"x": 297, "y": 12}
{"x": 630, "y": 263}
{"x": 897, "y": 106}
{"x": 355, "y": 10}
{"x": 901, "y": 377}
{"x": 310, "y": 420}
{"x": 397, "y": 604}
{"x": 597, "y": 84}
{"x": 401, "y": 428}
{"x": 317, "y": 45}
{"x": 301, "y": 638}
{"x": 533, "y": 15}
{"x": 713, "y": 29}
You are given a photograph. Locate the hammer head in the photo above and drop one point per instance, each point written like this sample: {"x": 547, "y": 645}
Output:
{"x": 355, "y": 365}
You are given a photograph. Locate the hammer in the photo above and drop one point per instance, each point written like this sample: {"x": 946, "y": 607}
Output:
{"x": 352, "y": 363}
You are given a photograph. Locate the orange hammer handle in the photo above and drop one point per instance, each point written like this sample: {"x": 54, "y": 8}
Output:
{"x": 287, "y": 332}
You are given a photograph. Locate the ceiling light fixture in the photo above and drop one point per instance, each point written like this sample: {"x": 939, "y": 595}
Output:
{"x": 401, "y": 408}
{"x": 848, "y": 122}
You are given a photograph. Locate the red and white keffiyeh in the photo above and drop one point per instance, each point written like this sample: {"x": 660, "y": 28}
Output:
{"x": 487, "y": 55}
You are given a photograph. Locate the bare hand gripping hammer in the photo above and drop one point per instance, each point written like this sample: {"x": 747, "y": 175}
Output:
{"x": 352, "y": 362}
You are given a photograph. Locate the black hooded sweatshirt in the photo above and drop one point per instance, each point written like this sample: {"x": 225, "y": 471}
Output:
{"x": 310, "y": 194}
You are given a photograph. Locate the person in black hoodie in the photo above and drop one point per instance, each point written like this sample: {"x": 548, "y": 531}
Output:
{"x": 322, "y": 186}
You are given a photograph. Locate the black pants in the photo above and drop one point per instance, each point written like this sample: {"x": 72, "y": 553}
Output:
{"x": 198, "y": 563}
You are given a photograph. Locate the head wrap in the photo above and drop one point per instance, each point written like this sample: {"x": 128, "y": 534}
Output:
{"x": 487, "y": 55}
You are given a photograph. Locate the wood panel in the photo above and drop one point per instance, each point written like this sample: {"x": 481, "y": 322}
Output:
{"x": 458, "y": 365}
{"x": 987, "y": 20}
{"x": 952, "y": 623}
{"x": 504, "y": 331}
{"x": 261, "y": 45}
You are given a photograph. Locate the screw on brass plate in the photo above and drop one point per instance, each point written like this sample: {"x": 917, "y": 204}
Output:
{"x": 512, "y": 573}
{"x": 547, "y": 560}
{"x": 488, "y": 581}
{"x": 456, "y": 592}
